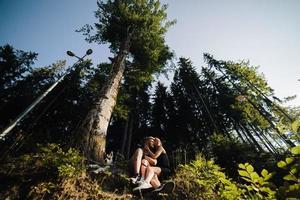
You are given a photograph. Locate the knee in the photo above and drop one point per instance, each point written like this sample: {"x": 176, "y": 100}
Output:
{"x": 145, "y": 162}
{"x": 138, "y": 153}
{"x": 149, "y": 168}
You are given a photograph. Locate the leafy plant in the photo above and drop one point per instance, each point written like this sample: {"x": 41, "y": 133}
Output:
{"x": 68, "y": 164}
{"x": 229, "y": 189}
{"x": 43, "y": 188}
{"x": 260, "y": 187}
{"x": 291, "y": 187}
{"x": 202, "y": 179}
{"x": 285, "y": 126}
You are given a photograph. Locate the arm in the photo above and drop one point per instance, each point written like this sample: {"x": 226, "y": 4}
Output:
{"x": 152, "y": 161}
{"x": 148, "y": 157}
{"x": 157, "y": 153}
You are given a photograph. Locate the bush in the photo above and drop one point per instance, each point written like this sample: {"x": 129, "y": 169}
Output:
{"x": 203, "y": 179}
{"x": 68, "y": 164}
{"x": 259, "y": 186}
{"x": 42, "y": 169}
{"x": 291, "y": 187}
{"x": 52, "y": 173}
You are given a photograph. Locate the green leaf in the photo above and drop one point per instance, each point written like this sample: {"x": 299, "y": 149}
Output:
{"x": 247, "y": 179}
{"x": 289, "y": 160}
{"x": 294, "y": 187}
{"x": 250, "y": 169}
{"x": 281, "y": 164}
{"x": 266, "y": 189}
{"x": 254, "y": 176}
{"x": 268, "y": 177}
{"x": 295, "y": 126}
{"x": 260, "y": 180}
{"x": 290, "y": 177}
{"x": 294, "y": 170}
{"x": 242, "y": 166}
{"x": 296, "y": 150}
{"x": 243, "y": 173}
{"x": 264, "y": 173}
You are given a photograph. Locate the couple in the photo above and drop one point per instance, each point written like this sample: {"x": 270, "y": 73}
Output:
{"x": 149, "y": 163}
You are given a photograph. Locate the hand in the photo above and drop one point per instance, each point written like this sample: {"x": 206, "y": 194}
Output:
{"x": 152, "y": 161}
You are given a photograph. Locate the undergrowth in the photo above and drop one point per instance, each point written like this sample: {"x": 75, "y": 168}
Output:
{"x": 203, "y": 179}
{"x": 54, "y": 173}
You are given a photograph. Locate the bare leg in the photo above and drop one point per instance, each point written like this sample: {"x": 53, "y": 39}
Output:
{"x": 151, "y": 174}
{"x": 151, "y": 171}
{"x": 155, "y": 181}
{"x": 144, "y": 166}
{"x": 136, "y": 160}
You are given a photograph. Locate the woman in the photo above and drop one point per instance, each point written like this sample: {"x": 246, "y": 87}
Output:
{"x": 153, "y": 165}
{"x": 139, "y": 155}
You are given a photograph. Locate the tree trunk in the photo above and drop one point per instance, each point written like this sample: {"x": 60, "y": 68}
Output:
{"x": 125, "y": 137}
{"x": 131, "y": 124}
{"x": 246, "y": 130}
{"x": 93, "y": 130}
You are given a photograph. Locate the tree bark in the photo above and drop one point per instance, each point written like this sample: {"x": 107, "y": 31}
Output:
{"x": 93, "y": 129}
{"x": 131, "y": 124}
{"x": 125, "y": 137}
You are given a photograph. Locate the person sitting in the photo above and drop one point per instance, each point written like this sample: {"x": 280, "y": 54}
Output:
{"x": 140, "y": 154}
{"x": 150, "y": 171}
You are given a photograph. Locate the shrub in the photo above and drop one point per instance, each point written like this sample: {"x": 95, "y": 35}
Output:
{"x": 52, "y": 173}
{"x": 203, "y": 179}
{"x": 68, "y": 164}
{"x": 259, "y": 186}
{"x": 39, "y": 171}
{"x": 291, "y": 187}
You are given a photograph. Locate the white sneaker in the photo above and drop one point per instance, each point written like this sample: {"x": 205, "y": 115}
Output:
{"x": 135, "y": 179}
{"x": 143, "y": 185}
{"x": 140, "y": 181}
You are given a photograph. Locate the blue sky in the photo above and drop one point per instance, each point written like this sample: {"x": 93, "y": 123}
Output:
{"x": 266, "y": 32}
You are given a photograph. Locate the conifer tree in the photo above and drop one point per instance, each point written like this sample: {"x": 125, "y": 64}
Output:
{"x": 133, "y": 28}
{"x": 159, "y": 110}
